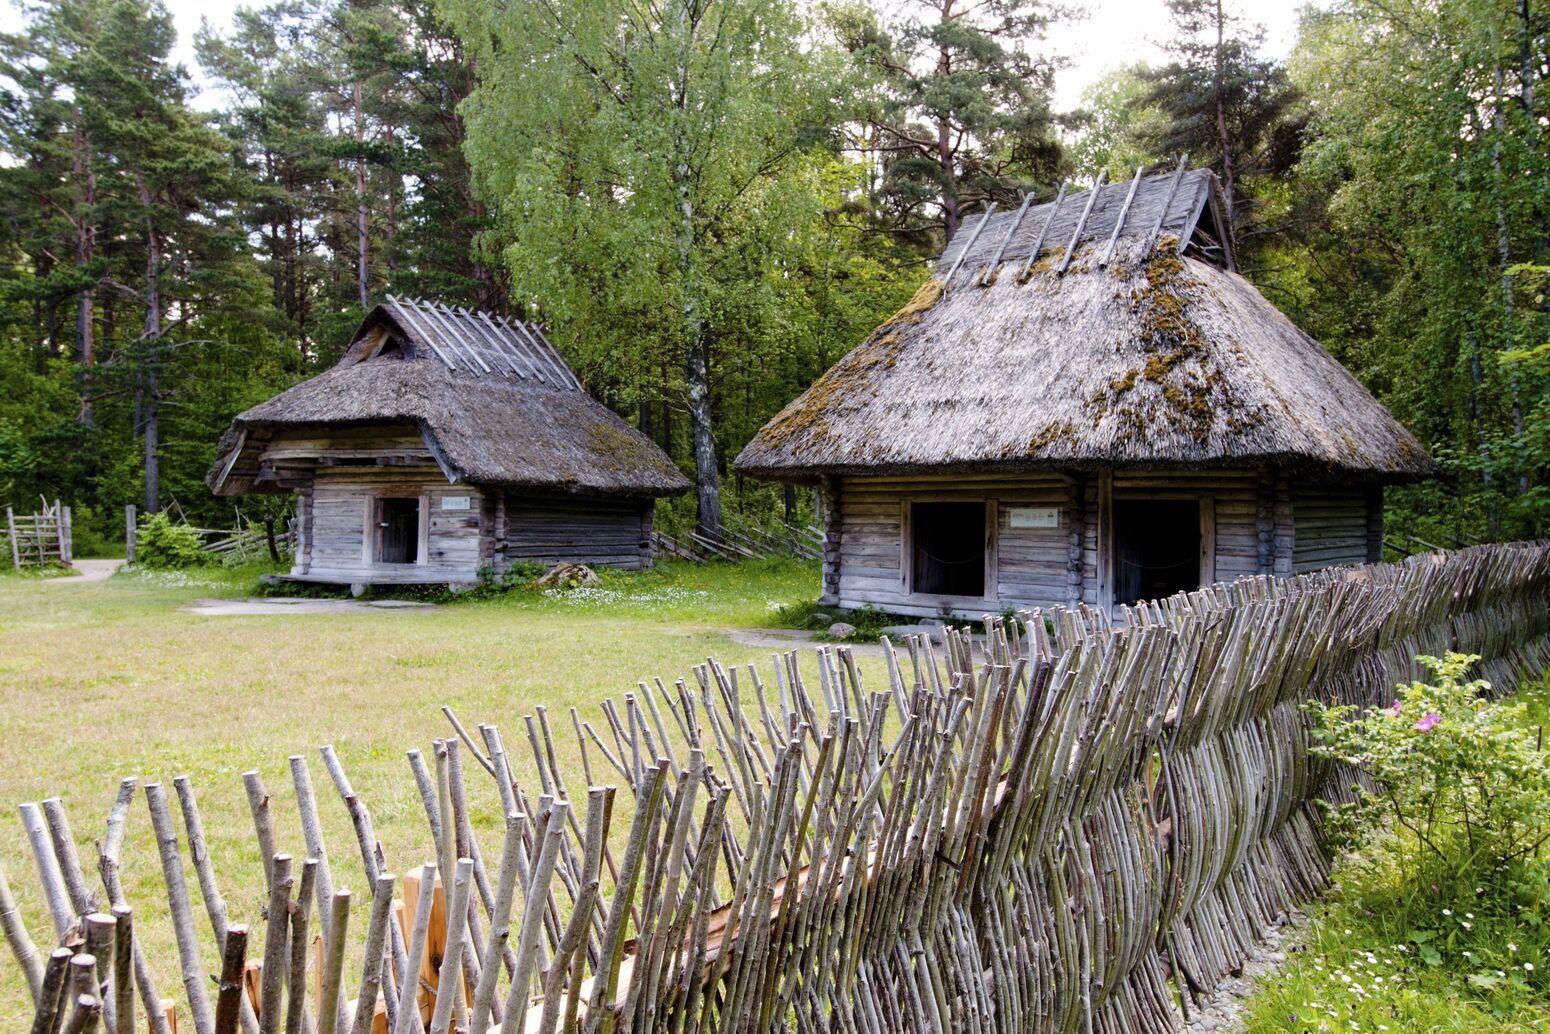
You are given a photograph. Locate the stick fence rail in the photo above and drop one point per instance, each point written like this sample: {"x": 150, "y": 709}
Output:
{"x": 1077, "y": 825}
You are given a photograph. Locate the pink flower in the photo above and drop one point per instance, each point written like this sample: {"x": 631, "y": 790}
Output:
{"x": 1428, "y": 723}
{"x": 1395, "y": 709}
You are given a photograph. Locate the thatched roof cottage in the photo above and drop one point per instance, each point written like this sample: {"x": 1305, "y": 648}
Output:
{"x": 443, "y": 444}
{"x": 1086, "y": 404}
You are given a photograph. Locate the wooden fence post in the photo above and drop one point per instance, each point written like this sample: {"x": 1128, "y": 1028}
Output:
{"x": 10, "y": 532}
{"x": 67, "y": 541}
{"x": 129, "y": 533}
{"x": 61, "y": 537}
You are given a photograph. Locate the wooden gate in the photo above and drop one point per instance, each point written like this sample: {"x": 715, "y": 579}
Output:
{"x": 39, "y": 539}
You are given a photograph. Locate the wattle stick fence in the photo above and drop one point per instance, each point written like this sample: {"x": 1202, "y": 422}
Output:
{"x": 1074, "y": 824}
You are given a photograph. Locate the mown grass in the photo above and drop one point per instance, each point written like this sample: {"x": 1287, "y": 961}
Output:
{"x": 1383, "y": 954}
{"x": 108, "y": 679}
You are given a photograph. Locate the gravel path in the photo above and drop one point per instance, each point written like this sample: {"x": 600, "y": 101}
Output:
{"x": 87, "y": 571}
{"x": 1224, "y": 1010}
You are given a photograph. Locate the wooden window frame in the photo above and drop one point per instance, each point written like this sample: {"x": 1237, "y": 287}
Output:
{"x": 1108, "y": 495}
{"x": 992, "y": 559}
{"x": 371, "y": 538}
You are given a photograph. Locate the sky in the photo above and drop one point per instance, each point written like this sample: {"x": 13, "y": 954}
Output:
{"x": 1114, "y": 32}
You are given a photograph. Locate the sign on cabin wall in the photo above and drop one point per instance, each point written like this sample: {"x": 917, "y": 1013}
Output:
{"x": 1033, "y": 516}
{"x": 456, "y": 502}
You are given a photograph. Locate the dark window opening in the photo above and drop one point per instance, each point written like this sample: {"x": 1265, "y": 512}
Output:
{"x": 1156, "y": 548}
{"x": 947, "y": 543}
{"x": 398, "y": 531}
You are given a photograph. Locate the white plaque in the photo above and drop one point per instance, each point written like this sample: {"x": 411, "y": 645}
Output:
{"x": 1033, "y": 516}
{"x": 456, "y": 502}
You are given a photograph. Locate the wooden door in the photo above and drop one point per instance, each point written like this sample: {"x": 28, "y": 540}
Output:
{"x": 398, "y": 531}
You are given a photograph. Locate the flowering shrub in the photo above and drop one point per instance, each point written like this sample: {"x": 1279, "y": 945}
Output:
{"x": 1465, "y": 776}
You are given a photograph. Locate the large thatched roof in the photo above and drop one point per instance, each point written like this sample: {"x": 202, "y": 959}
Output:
{"x": 1109, "y": 328}
{"x": 493, "y": 400}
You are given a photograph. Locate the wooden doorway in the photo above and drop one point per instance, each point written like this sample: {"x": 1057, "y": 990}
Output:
{"x": 1158, "y": 548}
{"x": 398, "y": 531}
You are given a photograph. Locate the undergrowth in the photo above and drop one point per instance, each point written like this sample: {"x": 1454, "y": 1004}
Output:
{"x": 1419, "y": 931}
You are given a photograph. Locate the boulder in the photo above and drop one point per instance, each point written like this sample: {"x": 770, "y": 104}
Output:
{"x": 569, "y": 576}
{"x": 841, "y": 630}
{"x": 820, "y": 620}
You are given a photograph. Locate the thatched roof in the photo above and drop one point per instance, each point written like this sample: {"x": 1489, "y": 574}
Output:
{"x": 1130, "y": 341}
{"x": 493, "y": 400}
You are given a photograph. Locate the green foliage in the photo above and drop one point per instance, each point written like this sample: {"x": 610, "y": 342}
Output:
{"x": 161, "y": 545}
{"x": 1456, "y": 771}
{"x": 958, "y": 113}
{"x": 1438, "y": 924}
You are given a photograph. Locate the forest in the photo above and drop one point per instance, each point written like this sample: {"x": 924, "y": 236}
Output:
{"x": 708, "y": 202}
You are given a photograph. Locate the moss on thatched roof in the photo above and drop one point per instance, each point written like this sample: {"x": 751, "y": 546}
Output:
{"x": 493, "y": 401}
{"x": 1159, "y": 358}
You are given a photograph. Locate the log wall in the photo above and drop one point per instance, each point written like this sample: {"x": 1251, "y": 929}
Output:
{"x": 554, "y": 529}
{"x": 867, "y": 556}
{"x": 1333, "y": 525}
{"x": 341, "y": 505}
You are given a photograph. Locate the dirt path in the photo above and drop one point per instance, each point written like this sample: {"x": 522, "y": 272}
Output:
{"x": 87, "y": 571}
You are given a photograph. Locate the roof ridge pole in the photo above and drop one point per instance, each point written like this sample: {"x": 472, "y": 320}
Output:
{"x": 494, "y": 345}
{"x": 1049, "y": 220}
{"x": 1119, "y": 221}
{"x": 433, "y": 319}
{"x": 566, "y": 373}
{"x": 448, "y": 318}
{"x": 1173, "y": 190}
{"x": 1005, "y": 240}
{"x": 1081, "y": 224}
{"x": 407, "y": 310}
{"x": 978, "y": 229}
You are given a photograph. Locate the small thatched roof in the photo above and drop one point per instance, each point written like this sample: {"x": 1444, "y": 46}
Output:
{"x": 493, "y": 400}
{"x": 1108, "y": 329}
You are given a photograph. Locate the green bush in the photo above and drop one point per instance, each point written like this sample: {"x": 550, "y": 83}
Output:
{"x": 162, "y": 545}
{"x": 1466, "y": 777}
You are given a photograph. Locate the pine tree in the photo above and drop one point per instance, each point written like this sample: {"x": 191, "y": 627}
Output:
{"x": 964, "y": 112}
{"x": 1225, "y": 104}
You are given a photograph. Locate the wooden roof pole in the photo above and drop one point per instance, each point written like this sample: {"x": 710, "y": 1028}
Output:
{"x": 969, "y": 244}
{"x": 534, "y": 351}
{"x": 402, "y": 307}
{"x": 493, "y": 339}
{"x": 1173, "y": 190}
{"x": 427, "y": 310}
{"x": 1119, "y": 221}
{"x": 455, "y": 328}
{"x": 1038, "y": 242}
{"x": 566, "y": 374}
{"x": 1081, "y": 224}
{"x": 1006, "y": 239}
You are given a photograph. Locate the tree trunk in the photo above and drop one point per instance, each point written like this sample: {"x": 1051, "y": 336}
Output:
{"x": 1223, "y": 137}
{"x": 85, "y": 251}
{"x": 362, "y": 219}
{"x": 1504, "y": 255}
{"x": 152, "y": 345}
{"x": 952, "y": 215}
{"x": 701, "y": 431}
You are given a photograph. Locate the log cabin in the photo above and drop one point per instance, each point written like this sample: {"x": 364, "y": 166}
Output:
{"x": 443, "y": 446}
{"x": 1086, "y": 403}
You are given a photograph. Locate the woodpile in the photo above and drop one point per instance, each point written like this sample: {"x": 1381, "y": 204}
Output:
{"x": 1078, "y": 824}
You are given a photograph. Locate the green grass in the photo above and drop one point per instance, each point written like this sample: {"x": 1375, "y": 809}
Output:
{"x": 113, "y": 678}
{"x": 1382, "y": 953}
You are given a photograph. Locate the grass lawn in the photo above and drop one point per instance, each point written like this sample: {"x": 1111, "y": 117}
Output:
{"x": 110, "y": 679}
